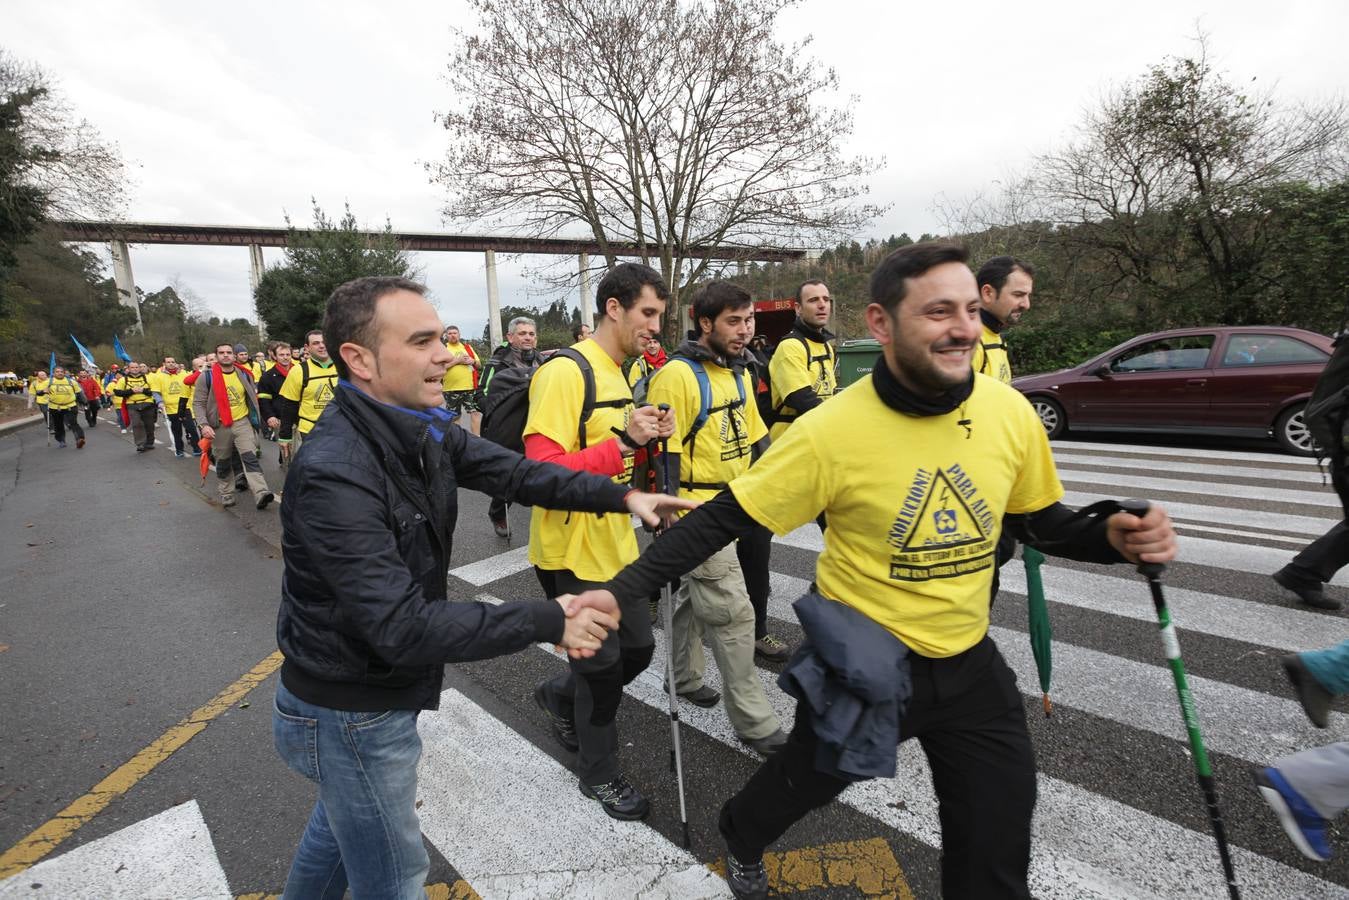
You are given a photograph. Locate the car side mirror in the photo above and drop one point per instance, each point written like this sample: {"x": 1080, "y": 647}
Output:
{"x": 1101, "y": 371}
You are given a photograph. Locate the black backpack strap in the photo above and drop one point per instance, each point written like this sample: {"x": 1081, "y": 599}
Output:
{"x": 588, "y": 392}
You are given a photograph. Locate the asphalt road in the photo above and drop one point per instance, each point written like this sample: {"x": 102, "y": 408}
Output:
{"x": 130, "y": 600}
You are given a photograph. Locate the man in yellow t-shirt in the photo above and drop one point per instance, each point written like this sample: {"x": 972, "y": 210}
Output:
{"x": 174, "y": 396}
{"x": 137, "y": 395}
{"x": 801, "y": 372}
{"x": 1005, "y": 285}
{"x": 225, "y": 405}
{"x": 64, "y": 398}
{"x": 916, "y": 466}
{"x": 581, "y": 416}
{"x": 707, "y": 386}
{"x": 460, "y": 384}
{"x": 37, "y": 389}
{"x": 306, "y": 391}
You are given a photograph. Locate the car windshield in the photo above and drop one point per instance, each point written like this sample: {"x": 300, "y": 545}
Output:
{"x": 1186, "y": 352}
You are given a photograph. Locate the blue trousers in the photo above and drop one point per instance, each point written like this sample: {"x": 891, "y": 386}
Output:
{"x": 1330, "y": 667}
{"x": 363, "y": 832}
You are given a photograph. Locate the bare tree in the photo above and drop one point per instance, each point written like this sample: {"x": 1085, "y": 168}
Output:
{"x": 665, "y": 124}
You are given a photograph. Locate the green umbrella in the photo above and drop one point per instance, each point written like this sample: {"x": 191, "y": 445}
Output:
{"x": 1041, "y": 632}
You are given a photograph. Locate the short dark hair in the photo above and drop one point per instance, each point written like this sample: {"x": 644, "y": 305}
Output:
{"x": 226, "y": 344}
{"x": 311, "y": 332}
{"x": 576, "y": 332}
{"x": 350, "y": 314}
{"x": 714, "y": 298}
{"x": 807, "y": 283}
{"x": 997, "y": 270}
{"x": 625, "y": 281}
{"x": 889, "y": 283}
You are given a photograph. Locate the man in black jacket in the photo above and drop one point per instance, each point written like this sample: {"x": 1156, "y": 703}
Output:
{"x": 364, "y": 623}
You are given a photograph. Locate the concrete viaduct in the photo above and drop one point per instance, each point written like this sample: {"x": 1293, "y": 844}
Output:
{"x": 120, "y": 235}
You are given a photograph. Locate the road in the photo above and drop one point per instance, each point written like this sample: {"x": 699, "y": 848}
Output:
{"x": 137, "y": 657}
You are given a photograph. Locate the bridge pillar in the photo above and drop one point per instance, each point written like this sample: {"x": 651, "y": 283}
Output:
{"x": 493, "y": 301}
{"x": 255, "y": 272}
{"x": 587, "y": 298}
{"x": 126, "y": 283}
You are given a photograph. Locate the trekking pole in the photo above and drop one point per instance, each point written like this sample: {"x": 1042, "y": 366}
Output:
{"x": 676, "y": 756}
{"x": 1171, "y": 646}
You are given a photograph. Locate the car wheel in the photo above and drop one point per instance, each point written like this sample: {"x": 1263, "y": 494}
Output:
{"x": 1291, "y": 431}
{"x": 1051, "y": 416}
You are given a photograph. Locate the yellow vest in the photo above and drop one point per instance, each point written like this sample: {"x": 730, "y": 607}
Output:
{"x": 311, "y": 385}
{"x": 144, "y": 390}
{"x": 799, "y": 363}
{"x": 61, "y": 393}
{"x": 990, "y": 356}
{"x": 39, "y": 384}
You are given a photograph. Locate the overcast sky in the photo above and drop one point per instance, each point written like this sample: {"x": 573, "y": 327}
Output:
{"x": 238, "y": 113}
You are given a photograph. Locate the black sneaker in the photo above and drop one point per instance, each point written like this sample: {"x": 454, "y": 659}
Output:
{"x": 1315, "y": 698}
{"x": 619, "y": 799}
{"x": 704, "y": 696}
{"x": 265, "y": 499}
{"x": 748, "y": 881}
{"x": 564, "y": 729}
{"x": 1309, "y": 592}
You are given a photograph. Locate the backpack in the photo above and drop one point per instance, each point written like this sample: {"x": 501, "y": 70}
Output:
{"x": 1327, "y": 407}
{"x": 705, "y": 410}
{"x": 505, "y": 408}
{"x": 775, "y": 412}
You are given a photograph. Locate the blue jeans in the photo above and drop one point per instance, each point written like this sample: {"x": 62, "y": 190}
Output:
{"x": 1330, "y": 667}
{"x": 363, "y": 833}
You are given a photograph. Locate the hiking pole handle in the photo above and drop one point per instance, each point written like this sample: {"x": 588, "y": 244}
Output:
{"x": 1140, "y": 508}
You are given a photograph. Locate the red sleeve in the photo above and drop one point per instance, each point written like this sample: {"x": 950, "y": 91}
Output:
{"x": 191, "y": 379}
{"x": 604, "y": 458}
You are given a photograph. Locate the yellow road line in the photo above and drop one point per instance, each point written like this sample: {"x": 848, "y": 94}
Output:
{"x": 869, "y": 866}
{"x": 49, "y": 835}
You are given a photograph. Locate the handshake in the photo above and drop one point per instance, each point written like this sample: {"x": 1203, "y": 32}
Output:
{"x": 590, "y": 618}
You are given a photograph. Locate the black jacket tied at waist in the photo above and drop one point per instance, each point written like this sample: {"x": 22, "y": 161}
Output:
{"x": 853, "y": 675}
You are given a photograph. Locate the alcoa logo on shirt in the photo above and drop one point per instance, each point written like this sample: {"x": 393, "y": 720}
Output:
{"x": 944, "y": 529}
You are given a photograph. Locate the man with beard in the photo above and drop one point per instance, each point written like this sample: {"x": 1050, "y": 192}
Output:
{"x": 224, "y": 402}
{"x": 581, "y": 415}
{"x": 936, "y": 459}
{"x": 1005, "y": 286}
{"x": 711, "y": 394}
{"x": 175, "y": 397}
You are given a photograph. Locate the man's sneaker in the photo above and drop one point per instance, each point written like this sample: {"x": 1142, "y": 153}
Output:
{"x": 501, "y": 527}
{"x": 619, "y": 799}
{"x": 265, "y": 499}
{"x": 180, "y": 454}
{"x": 1315, "y": 698}
{"x": 748, "y": 881}
{"x": 1309, "y": 592}
{"x": 564, "y": 729}
{"x": 241, "y": 483}
{"x": 196, "y": 453}
{"x": 79, "y": 443}
{"x": 123, "y": 431}
{"x": 61, "y": 445}
{"x": 1304, "y": 826}
{"x": 227, "y": 500}
{"x": 704, "y": 696}
{"x": 771, "y": 649}
{"x": 768, "y": 744}
{"x": 653, "y": 606}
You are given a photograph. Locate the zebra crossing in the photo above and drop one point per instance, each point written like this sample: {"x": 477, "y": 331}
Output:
{"x": 1118, "y": 813}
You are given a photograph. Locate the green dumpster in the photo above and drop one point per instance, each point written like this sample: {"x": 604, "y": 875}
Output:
{"x": 855, "y": 359}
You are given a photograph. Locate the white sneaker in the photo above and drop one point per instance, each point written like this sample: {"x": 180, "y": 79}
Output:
{"x": 123, "y": 431}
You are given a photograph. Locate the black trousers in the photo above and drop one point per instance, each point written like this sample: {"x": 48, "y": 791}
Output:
{"x": 497, "y": 509}
{"x": 967, "y": 714}
{"x": 1323, "y": 557}
{"x": 181, "y": 423}
{"x": 590, "y": 691}
{"x": 753, "y": 551}
{"x": 61, "y": 419}
{"x": 91, "y": 413}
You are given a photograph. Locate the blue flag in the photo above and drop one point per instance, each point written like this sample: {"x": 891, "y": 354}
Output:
{"x": 120, "y": 350}
{"x": 51, "y": 366}
{"x": 85, "y": 356}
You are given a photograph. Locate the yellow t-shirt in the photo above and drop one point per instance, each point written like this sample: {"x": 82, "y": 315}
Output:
{"x": 234, "y": 389}
{"x": 721, "y": 448}
{"x": 914, "y": 503}
{"x": 60, "y": 393}
{"x": 797, "y": 364}
{"x": 990, "y": 356}
{"x": 39, "y": 384}
{"x": 593, "y": 546}
{"x": 142, "y": 386}
{"x": 173, "y": 389}
{"x": 322, "y": 384}
{"x": 460, "y": 377}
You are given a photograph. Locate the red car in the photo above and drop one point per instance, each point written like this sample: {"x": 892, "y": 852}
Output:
{"x": 1249, "y": 382}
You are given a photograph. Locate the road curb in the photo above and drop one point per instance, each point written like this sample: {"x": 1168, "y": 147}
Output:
{"x": 20, "y": 423}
